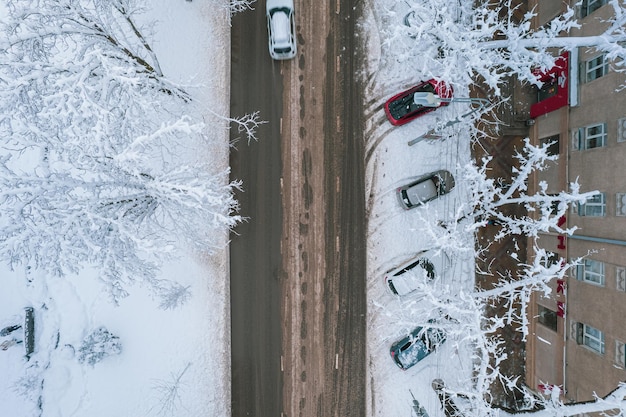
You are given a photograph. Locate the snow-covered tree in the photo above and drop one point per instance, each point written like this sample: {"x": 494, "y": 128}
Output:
{"x": 468, "y": 41}
{"x": 482, "y": 44}
{"x": 489, "y": 197}
{"x": 99, "y": 160}
{"x": 485, "y": 205}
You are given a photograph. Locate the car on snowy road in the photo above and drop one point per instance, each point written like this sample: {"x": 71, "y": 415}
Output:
{"x": 420, "y": 343}
{"x": 420, "y": 269}
{"x": 401, "y": 108}
{"x": 425, "y": 188}
{"x": 281, "y": 28}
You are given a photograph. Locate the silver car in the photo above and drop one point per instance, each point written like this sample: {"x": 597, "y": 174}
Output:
{"x": 425, "y": 189}
{"x": 281, "y": 28}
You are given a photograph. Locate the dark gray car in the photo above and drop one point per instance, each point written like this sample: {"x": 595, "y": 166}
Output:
{"x": 416, "y": 346}
{"x": 425, "y": 188}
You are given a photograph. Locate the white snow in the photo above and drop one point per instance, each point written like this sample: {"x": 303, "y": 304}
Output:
{"x": 192, "y": 38}
{"x": 177, "y": 362}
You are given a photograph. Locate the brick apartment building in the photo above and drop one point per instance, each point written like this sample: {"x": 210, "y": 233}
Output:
{"x": 577, "y": 338}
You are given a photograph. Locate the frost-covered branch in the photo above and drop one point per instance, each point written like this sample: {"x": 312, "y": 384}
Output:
{"x": 238, "y": 6}
{"x": 247, "y": 124}
{"x": 489, "y": 41}
{"x": 488, "y": 197}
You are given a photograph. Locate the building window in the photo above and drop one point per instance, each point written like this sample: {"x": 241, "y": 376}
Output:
{"x": 595, "y": 206}
{"x": 591, "y": 271}
{"x": 589, "y": 137}
{"x": 595, "y": 136}
{"x": 547, "y": 317}
{"x": 596, "y": 67}
{"x": 621, "y": 130}
{"x": 552, "y": 142}
{"x": 590, "y": 6}
{"x": 620, "y": 354}
{"x": 547, "y": 90}
{"x": 620, "y": 278}
{"x": 590, "y": 337}
{"x": 620, "y": 204}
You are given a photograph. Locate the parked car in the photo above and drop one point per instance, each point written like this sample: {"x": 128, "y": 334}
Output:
{"x": 423, "y": 267}
{"x": 401, "y": 108}
{"x": 420, "y": 343}
{"x": 425, "y": 188}
{"x": 281, "y": 28}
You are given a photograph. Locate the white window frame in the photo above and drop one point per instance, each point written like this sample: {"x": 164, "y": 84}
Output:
{"x": 592, "y": 272}
{"x": 595, "y": 206}
{"x": 596, "y": 67}
{"x": 595, "y": 135}
{"x": 593, "y": 338}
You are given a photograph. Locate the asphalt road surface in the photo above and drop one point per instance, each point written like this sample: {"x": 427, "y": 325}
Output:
{"x": 298, "y": 265}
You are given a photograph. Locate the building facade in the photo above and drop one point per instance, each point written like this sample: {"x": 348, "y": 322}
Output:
{"x": 577, "y": 338}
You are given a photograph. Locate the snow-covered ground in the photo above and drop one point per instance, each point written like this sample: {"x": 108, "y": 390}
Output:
{"x": 396, "y": 235}
{"x": 173, "y": 362}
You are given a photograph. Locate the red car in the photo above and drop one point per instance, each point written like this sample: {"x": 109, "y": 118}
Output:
{"x": 401, "y": 108}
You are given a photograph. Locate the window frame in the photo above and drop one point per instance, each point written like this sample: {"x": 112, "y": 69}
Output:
{"x": 592, "y": 138}
{"x": 594, "y": 342}
{"x": 590, "y": 207}
{"x": 590, "y": 6}
{"x": 596, "y": 67}
{"x": 592, "y": 272}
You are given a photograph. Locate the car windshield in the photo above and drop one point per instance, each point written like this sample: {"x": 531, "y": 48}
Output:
{"x": 408, "y": 268}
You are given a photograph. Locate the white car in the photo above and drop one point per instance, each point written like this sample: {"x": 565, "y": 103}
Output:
{"x": 281, "y": 28}
{"x": 417, "y": 271}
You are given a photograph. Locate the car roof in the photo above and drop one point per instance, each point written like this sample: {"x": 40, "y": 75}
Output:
{"x": 282, "y": 29}
{"x": 422, "y": 191}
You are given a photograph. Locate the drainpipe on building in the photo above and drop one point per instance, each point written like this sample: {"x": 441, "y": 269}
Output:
{"x": 573, "y": 83}
{"x": 573, "y": 77}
